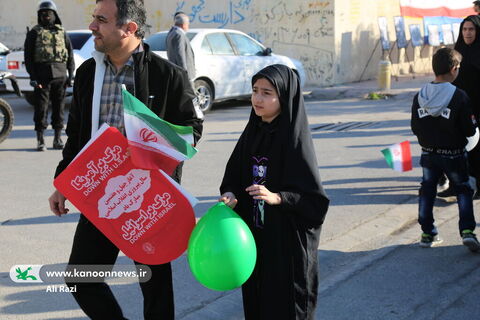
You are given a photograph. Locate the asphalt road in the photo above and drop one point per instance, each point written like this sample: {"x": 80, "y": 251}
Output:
{"x": 370, "y": 264}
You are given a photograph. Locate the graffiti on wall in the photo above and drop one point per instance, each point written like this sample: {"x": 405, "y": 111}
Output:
{"x": 300, "y": 30}
{"x": 303, "y": 32}
{"x": 318, "y": 63}
{"x": 235, "y": 13}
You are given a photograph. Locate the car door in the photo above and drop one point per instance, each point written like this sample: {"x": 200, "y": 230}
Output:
{"x": 222, "y": 65}
{"x": 252, "y": 55}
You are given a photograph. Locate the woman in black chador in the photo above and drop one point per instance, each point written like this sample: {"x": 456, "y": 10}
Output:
{"x": 272, "y": 181}
{"x": 468, "y": 44}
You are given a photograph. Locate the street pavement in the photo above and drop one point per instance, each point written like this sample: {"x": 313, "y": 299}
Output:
{"x": 371, "y": 266}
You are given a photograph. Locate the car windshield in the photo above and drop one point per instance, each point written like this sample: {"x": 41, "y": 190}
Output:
{"x": 3, "y": 49}
{"x": 157, "y": 41}
{"x": 78, "y": 39}
{"x": 190, "y": 35}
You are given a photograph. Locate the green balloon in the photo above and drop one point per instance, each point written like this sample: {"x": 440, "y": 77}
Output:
{"x": 221, "y": 249}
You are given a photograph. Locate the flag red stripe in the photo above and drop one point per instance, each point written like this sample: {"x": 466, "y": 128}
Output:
{"x": 406, "y": 156}
{"x": 152, "y": 160}
{"x": 435, "y": 12}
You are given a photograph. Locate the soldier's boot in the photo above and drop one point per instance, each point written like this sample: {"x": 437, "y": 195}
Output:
{"x": 40, "y": 141}
{"x": 57, "y": 140}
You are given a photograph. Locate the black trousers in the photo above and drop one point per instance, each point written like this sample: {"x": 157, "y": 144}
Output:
{"x": 91, "y": 247}
{"x": 51, "y": 91}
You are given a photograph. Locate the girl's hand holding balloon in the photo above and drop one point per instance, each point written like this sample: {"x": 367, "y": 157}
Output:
{"x": 229, "y": 199}
{"x": 260, "y": 192}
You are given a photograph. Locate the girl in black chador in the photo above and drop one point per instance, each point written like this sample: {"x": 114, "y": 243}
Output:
{"x": 272, "y": 181}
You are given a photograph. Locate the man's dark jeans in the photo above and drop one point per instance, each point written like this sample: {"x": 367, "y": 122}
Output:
{"x": 456, "y": 169}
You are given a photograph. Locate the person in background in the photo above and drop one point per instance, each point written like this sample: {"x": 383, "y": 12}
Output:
{"x": 48, "y": 56}
{"x": 443, "y": 121}
{"x": 468, "y": 45}
{"x": 272, "y": 181}
{"x": 476, "y": 6}
{"x": 121, "y": 58}
{"x": 179, "y": 50}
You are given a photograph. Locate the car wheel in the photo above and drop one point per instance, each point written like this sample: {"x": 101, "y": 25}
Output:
{"x": 204, "y": 95}
{"x": 6, "y": 119}
{"x": 29, "y": 97}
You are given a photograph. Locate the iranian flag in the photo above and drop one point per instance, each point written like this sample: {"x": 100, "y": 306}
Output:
{"x": 155, "y": 143}
{"x": 434, "y": 8}
{"x": 398, "y": 156}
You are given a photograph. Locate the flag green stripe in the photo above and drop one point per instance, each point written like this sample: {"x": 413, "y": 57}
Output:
{"x": 388, "y": 157}
{"x": 135, "y": 107}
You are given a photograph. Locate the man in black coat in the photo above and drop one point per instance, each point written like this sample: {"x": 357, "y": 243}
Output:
{"x": 120, "y": 58}
{"x": 48, "y": 56}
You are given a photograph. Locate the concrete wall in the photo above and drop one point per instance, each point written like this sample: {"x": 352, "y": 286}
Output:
{"x": 334, "y": 39}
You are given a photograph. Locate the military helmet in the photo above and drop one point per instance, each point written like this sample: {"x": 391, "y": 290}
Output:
{"x": 47, "y": 5}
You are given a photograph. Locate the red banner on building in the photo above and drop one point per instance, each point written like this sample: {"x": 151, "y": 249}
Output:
{"x": 146, "y": 214}
{"x": 434, "y": 8}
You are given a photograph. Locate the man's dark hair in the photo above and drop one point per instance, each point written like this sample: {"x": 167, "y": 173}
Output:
{"x": 476, "y": 3}
{"x": 132, "y": 10}
{"x": 444, "y": 60}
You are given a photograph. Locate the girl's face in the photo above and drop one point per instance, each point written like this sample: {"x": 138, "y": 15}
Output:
{"x": 265, "y": 101}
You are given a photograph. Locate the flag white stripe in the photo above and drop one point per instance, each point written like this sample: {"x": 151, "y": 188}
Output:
{"x": 397, "y": 157}
{"x": 132, "y": 129}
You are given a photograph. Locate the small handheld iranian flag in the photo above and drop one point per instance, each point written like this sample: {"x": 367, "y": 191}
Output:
{"x": 155, "y": 143}
{"x": 398, "y": 156}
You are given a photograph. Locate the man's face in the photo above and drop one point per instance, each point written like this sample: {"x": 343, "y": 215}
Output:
{"x": 476, "y": 8}
{"x": 47, "y": 17}
{"x": 104, "y": 27}
{"x": 468, "y": 32}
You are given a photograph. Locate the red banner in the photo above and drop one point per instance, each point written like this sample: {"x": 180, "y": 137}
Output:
{"x": 147, "y": 215}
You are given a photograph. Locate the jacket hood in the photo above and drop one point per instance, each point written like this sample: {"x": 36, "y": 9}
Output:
{"x": 435, "y": 97}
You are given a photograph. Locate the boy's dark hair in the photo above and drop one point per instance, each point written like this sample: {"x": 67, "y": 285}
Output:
{"x": 132, "y": 10}
{"x": 444, "y": 60}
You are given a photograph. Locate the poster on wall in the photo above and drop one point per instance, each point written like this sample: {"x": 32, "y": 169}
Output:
{"x": 400, "y": 32}
{"x": 433, "y": 35}
{"x": 415, "y": 35}
{"x": 382, "y": 25}
{"x": 447, "y": 34}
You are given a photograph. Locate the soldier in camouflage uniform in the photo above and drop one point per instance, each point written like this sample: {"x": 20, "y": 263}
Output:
{"x": 48, "y": 57}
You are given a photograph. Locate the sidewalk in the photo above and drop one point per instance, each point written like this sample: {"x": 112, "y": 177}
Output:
{"x": 405, "y": 84}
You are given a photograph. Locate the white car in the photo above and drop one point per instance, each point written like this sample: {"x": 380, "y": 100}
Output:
{"x": 3, "y": 52}
{"x": 3, "y": 62}
{"x": 82, "y": 44}
{"x": 225, "y": 61}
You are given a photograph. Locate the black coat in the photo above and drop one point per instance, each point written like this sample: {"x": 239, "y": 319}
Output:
{"x": 284, "y": 283}
{"x": 154, "y": 77}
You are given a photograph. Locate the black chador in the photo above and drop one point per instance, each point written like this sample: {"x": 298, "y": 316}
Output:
{"x": 468, "y": 80}
{"x": 280, "y": 155}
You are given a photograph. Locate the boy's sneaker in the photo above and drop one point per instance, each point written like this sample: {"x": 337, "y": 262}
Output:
{"x": 430, "y": 240}
{"x": 448, "y": 195}
{"x": 469, "y": 239}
